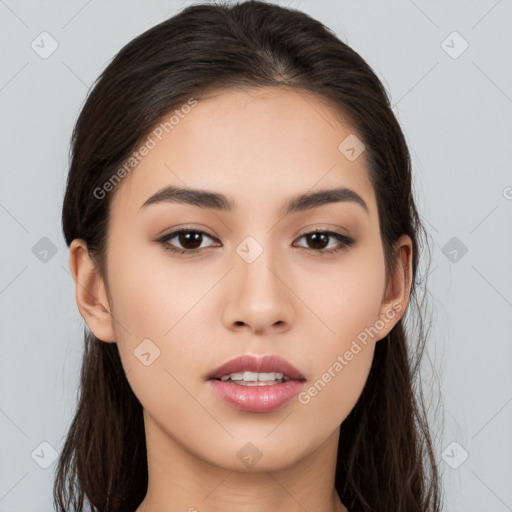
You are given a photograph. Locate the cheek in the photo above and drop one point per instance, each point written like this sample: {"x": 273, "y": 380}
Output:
{"x": 161, "y": 302}
{"x": 348, "y": 296}
{"x": 150, "y": 296}
{"x": 154, "y": 319}
{"x": 349, "y": 304}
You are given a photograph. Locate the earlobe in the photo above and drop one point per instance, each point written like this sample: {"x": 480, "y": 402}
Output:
{"x": 90, "y": 292}
{"x": 396, "y": 295}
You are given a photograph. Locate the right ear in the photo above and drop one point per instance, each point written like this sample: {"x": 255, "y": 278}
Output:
{"x": 90, "y": 292}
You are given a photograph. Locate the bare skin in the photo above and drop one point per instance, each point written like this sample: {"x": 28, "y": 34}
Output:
{"x": 259, "y": 147}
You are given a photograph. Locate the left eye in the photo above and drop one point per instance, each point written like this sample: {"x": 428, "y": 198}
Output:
{"x": 191, "y": 241}
{"x": 319, "y": 237}
{"x": 185, "y": 237}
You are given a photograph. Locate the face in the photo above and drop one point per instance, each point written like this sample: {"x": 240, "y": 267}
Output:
{"x": 248, "y": 279}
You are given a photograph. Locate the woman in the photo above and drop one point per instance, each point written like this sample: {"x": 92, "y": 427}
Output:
{"x": 244, "y": 244}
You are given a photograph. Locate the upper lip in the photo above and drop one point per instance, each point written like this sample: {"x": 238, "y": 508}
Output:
{"x": 258, "y": 364}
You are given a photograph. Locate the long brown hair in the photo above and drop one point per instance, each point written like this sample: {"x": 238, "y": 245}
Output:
{"x": 386, "y": 458}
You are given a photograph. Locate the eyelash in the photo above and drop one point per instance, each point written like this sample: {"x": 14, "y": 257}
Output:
{"x": 345, "y": 241}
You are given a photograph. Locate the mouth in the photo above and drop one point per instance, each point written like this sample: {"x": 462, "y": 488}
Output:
{"x": 250, "y": 370}
{"x": 256, "y": 384}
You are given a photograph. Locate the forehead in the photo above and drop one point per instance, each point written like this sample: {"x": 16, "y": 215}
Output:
{"x": 256, "y": 145}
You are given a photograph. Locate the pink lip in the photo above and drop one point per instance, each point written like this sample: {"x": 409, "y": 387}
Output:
{"x": 263, "y": 364}
{"x": 257, "y": 398}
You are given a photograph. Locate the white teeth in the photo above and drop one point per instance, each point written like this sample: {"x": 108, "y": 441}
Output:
{"x": 253, "y": 376}
{"x": 252, "y": 384}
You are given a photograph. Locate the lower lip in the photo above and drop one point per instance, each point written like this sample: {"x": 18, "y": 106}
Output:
{"x": 256, "y": 398}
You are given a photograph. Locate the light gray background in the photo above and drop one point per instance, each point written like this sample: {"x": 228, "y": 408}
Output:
{"x": 457, "y": 117}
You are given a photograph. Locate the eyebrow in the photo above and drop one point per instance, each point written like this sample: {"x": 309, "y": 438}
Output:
{"x": 217, "y": 201}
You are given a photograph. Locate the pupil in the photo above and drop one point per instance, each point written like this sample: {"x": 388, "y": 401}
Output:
{"x": 185, "y": 238}
{"x": 315, "y": 237}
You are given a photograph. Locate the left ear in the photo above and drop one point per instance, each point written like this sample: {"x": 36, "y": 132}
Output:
{"x": 398, "y": 287}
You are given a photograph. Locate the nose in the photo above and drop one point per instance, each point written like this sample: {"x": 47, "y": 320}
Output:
{"x": 258, "y": 296}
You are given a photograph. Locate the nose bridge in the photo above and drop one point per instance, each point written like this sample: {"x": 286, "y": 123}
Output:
{"x": 260, "y": 297}
{"x": 256, "y": 267}
{"x": 255, "y": 263}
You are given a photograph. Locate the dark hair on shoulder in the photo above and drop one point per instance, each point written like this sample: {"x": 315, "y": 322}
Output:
{"x": 386, "y": 457}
